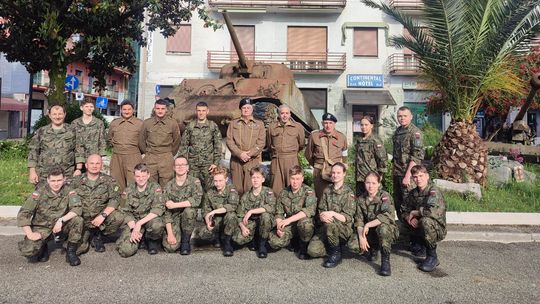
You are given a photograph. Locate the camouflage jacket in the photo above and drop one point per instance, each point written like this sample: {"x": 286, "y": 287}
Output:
{"x": 408, "y": 146}
{"x": 190, "y": 191}
{"x": 339, "y": 200}
{"x": 96, "y": 195}
{"x": 54, "y": 147}
{"x": 201, "y": 143}
{"x": 290, "y": 203}
{"x": 91, "y": 137}
{"x": 139, "y": 204}
{"x": 44, "y": 207}
{"x": 228, "y": 199}
{"x": 429, "y": 202}
{"x": 266, "y": 199}
{"x": 380, "y": 208}
{"x": 370, "y": 156}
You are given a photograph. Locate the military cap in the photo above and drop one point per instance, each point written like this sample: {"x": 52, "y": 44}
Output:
{"x": 328, "y": 116}
{"x": 245, "y": 101}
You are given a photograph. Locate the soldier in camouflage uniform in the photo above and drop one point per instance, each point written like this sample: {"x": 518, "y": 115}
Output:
{"x": 53, "y": 145}
{"x": 100, "y": 196}
{"x": 201, "y": 145}
{"x": 52, "y": 209}
{"x": 370, "y": 154}
{"x": 182, "y": 196}
{"x": 142, "y": 215}
{"x": 408, "y": 152}
{"x": 89, "y": 132}
{"x": 336, "y": 210}
{"x": 219, "y": 206}
{"x": 296, "y": 207}
{"x": 424, "y": 214}
{"x": 256, "y": 212}
{"x": 375, "y": 209}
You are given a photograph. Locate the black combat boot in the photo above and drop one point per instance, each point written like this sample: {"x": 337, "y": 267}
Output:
{"x": 417, "y": 247}
{"x": 43, "y": 255}
{"x": 152, "y": 246}
{"x": 385, "y": 264}
{"x": 302, "y": 250}
{"x": 71, "y": 255}
{"x": 97, "y": 240}
{"x": 431, "y": 260}
{"x": 228, "y": 250}
{"x": 334, "y": 257}
{"x": 185, "y": 247}
{"x": 263, "y": 252}
{"x": 217, "y": 241}
{"x": 371, "y": 254}
{"x": 251, "y": 245}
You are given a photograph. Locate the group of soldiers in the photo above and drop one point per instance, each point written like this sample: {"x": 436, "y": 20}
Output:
{"x": 161, "y": 179}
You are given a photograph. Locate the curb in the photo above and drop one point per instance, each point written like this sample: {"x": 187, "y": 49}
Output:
{"x": 494, "y": 237}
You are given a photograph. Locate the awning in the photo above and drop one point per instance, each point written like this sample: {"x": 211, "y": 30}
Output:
{"x": 368, "y": 97}
{"x": 10, "y": 104}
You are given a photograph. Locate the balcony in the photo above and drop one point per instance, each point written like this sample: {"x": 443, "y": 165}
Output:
{"x": 284, "y": 6}
{"x": 330, "y": 63}
{"x": 109, "y": 91}
{"x": 40, "y": 79}
{"x": 404, "y": 64}
{"x": 407, "y": 6}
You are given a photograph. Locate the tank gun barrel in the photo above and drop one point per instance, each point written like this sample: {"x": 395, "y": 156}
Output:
{"x": 535, "y": 85}
{"x": 241, "y": 56}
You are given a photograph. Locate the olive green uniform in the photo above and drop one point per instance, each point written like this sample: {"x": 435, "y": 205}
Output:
{"x": 227, "y": 222}
{"x": 91, "y": 137}
{"x": 370, "y": 157}
{"x": 267, "y": 200}
{"x": 124, "y": 138}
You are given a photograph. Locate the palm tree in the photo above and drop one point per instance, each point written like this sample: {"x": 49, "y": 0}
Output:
{"x": 465, "y": 49}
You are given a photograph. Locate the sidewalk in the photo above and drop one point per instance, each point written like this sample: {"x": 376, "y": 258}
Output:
{"x": 462, "y": 226}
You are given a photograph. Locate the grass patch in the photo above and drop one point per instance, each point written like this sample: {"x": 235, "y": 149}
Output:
{"x": 14, "y": 181}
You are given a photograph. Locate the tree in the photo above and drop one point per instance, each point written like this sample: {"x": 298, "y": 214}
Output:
{"x": 465, "y": 50}
{"x": 49, "y": 35}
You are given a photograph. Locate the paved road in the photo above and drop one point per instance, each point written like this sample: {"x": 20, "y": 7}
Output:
{"x": 470, "y": 273}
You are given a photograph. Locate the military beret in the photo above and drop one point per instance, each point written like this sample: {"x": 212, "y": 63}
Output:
{"x": 245, "y": 101}
{"x": 328, "y": 116}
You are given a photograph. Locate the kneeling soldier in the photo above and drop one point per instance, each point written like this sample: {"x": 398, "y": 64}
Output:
{"x": 256, "y": 213}
{"x": 51, "y": 209}
{"x": 100, "y": 195}
{"x": 375, "y": 209}
{"x": 142, "y": 214}
{"x": 424, "y": 214}
{"x": 219, "y": 206}
{"x": 336, "y": 211}
{"x": 182, "y": 195}
{"x": 296, "y": 206}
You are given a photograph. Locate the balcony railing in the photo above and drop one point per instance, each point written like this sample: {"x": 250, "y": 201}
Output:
{"x": 305, "y": 62}
{"x": 404, "y": 64}
{"x": 298, "y": 4}
{"x": 109, "y": 91}
{"x": 40, "y": 79}
{"x": 407, "y": 5}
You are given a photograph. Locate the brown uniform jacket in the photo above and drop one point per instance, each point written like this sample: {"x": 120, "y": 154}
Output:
{"x": 337, "y": 147}
{"x": 159, "y": 136}
{"x": 285, "y": 139}
{"x": 124, "y": 135}
{"x": 246, "y": 135}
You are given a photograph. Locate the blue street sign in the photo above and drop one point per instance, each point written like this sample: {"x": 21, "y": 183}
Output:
{"x": 365, "y": 81}
{"x": 71, "y": 83}
{"x": 158, "y": 89}
{"x": 101, "y": 102}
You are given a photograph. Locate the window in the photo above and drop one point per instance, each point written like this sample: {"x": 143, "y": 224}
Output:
{"x": 246, "y": 37}
{"x": 306, "y": 46}
{"x": 365, "y": 42}
{"x": 181, "y": 41}
{"x": 78, "y": 73}
{"x": 316, "y": 99}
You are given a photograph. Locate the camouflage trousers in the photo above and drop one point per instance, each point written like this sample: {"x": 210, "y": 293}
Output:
{"x": 110, "y": 225}
{"x": 73, "y": 230}
{"x": 223, "y": 224}
{"x": 331, "y": 233}
{"x": 400, "y": 192}
{"x": 303, "y": 229}
{"x": 182, "y": 221}
{"x": 201, "y": 172}
{"x": 429, "y": 230}
{"x": 382, "y": 236}
{"x": 153, "y": 230}
{"x": 161, "y": 167}
{"x": 263, "y": 223}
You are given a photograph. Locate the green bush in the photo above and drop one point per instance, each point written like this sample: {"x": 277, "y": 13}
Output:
{"x": 308, "y": 175}
{"x": 10, "y": 149}
{"x": 432, "y": 135}
{"x": 73, "y": 111}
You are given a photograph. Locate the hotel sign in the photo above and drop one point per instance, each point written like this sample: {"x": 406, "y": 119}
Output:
{"x": 365, "y": 81}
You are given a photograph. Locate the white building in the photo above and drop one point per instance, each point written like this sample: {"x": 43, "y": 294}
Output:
{"x": 337, "y": 50}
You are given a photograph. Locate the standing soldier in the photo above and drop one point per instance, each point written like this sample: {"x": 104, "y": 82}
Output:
{"x": 336, "y": 211}
{"x": 408, "y": 152}
{"x": 181, "y": 196}
{"x": 142, "y": 215}
{"x": 100, "y": 197}
{"x": 201, "y": 145}
{"x": 159, "y": 140}
{"x": 296, "y": 207}
{"x": 424, "y": 214}
{"x": 370, "y": 154}
{"x": 285, "y": 139}
{"x": 50, "y": 210}
{"x": 53, "y": 145}
{"x": 245, "y": 139}
{"x": 325, "y": 148}
{"x": 124, "y": 138}
{"x": 89, "y": 132}
{"x": 219, "y": 206}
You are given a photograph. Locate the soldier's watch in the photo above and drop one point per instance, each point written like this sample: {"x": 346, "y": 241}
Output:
{"x": 104, "y": 214}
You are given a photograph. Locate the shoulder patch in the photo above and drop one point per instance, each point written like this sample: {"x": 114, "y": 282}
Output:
{"x": 384, "y": 199}
{"x": 270, "y": 193}
{"x": 432, "y": 192}
{"x": 233, "y": 190}
{"x": 116, "y": 188}
{"x": 35, "y": 195}
{"x": 379, "y": 146}
{"x": 72, "y": 193}
{"x": 197, "y": 181}
{"x": 417, "y": 135}
{"x": 352, "y": 195}
{"x": 158, "y": 190}
{"x": 309, "y": 192}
